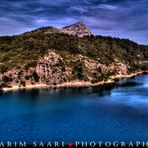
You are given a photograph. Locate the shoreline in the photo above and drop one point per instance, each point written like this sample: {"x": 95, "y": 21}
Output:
{"x": 73, "y": 83}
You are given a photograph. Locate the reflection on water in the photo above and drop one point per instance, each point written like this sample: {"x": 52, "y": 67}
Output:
{"x": 116, "y": 111}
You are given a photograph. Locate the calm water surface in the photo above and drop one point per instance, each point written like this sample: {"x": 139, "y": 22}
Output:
{"x": 85, "y": 114}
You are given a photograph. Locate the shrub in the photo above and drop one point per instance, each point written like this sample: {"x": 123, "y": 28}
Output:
{"x": 6, "y": 79}
{"x": 35, "y": 76}
{"x": 3, "y": 68}
{"x": 22, "y": 83}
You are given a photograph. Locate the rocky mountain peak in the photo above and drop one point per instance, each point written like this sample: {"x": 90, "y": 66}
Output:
{"x": 78, "y": 24}
{"x": 78, "y": 28}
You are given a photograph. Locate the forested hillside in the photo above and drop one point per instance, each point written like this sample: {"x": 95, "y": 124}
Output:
{"x": 88, "y": 58}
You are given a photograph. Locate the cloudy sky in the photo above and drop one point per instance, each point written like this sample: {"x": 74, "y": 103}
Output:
{"x": 119, "y": 18}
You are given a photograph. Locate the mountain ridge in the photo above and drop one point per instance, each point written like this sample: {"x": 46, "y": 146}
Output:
{"x": 53, "y": 58}
{"x": 79, "y": 29}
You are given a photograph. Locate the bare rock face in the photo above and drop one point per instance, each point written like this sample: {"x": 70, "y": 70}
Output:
{"x": 121, "y": 68}
{"x": 90, "y": 69}
{"x": 49, "y": 69}
{"x": 53, "y": 69}
{"x": 79, "y": 29}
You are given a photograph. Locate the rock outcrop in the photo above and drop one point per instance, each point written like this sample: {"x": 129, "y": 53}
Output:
{"x": 78, "y": 29}
{"x": 52, "y": 69}
{"x": 49, "y": 69}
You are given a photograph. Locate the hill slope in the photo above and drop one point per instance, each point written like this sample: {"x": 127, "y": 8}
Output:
{"x": 53, "y": 57}
{"x": 78, "y": 29}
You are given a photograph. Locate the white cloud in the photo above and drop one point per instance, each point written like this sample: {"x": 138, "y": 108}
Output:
{"x": 40, "y": 21}
{"x": 79, "y": 9}
{"x": 108, "y": 7}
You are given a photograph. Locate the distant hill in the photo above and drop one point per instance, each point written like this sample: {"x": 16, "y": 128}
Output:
{"x": 79, "y": 29}
{"x": 53, "y": 56}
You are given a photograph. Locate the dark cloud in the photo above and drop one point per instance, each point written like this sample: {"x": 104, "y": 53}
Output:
{"x": 122, "y": 18}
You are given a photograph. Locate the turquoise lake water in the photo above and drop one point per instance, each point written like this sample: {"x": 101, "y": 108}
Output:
{"x": 110, "y": 113}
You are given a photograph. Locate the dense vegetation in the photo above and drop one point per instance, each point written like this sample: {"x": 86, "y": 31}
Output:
{"x": 24, "y": 50}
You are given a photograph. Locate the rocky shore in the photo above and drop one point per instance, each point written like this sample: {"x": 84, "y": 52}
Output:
{"x": 76, "y": 83}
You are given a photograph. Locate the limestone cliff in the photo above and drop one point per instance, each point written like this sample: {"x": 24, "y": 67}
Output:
{"x": 51, "y": 70}
{"x": 79, "y": 29}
